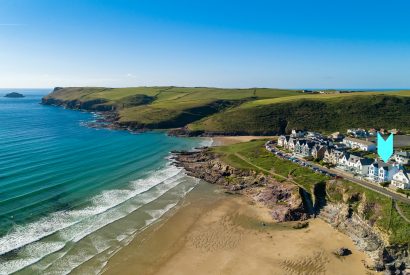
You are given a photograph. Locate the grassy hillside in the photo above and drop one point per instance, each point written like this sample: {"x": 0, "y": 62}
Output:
{"x": 324, "y": 113}
{"x": 240, "y": 111}
{"x": 370, "y": 205}
{"x": 161, "y": 107}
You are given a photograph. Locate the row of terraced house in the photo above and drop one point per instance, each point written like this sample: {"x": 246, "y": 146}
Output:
{"x": 335, "y": 149}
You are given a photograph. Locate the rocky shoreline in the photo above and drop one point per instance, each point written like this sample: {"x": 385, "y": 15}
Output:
{"x": 109, "y": 118}
{"x": 107, "y": 115}
{"x": 287, "y": 202}
{"x": 283, "y": 198}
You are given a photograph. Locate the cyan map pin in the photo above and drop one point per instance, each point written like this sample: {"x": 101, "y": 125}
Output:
{"x": 384, "y": 147}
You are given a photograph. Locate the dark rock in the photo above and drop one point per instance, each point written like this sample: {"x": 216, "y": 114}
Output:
{"x": 14, "y": 95}
{"x": 282, "y": 197}
{"x": 343, "y": 251}
{"x": 301, "y": 225}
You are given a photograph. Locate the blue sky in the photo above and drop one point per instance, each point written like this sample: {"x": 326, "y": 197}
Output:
{"x": 288, "y": 44}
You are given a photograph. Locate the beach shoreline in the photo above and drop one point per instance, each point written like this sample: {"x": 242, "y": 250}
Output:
{"x": 211, "y": 232}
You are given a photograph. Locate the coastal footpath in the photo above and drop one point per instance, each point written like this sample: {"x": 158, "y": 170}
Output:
{"x": 358, "y": 214}
{"x": 201, "y": 111}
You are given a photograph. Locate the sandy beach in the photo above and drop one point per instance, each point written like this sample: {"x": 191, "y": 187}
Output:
{"x": 215, "y": 233}
{"x": 227, "y": 140}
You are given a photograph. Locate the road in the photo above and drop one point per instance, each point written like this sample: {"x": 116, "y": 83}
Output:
{"x": 374, "y": 187}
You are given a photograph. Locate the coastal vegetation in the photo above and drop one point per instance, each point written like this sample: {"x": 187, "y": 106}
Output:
{"x": 159, "y": 107}
{"x": 323, "y": 113}
{"x": 375, "y": 208}
{"x": 253, "y": 111}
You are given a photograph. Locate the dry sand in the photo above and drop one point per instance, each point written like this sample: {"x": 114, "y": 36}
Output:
{"x": 227, "y": 140}
{"x": 220, "y": 234}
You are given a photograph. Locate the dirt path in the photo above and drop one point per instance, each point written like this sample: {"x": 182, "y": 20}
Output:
{"x": 400, "y": 212}
{"x": 267, "y": 171}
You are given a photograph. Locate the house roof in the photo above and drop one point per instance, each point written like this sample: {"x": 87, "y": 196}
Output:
{"x": 364, "y": 142}
{"x": 310, "y": 144}
{"x": 366, "y": 161}
{"x": 380, "y": 164}
{"x": 406, "y": 174}
{"x": 403, "y": 154}
{"x": 354, "y": 157}
{"x": 285, "y": 138}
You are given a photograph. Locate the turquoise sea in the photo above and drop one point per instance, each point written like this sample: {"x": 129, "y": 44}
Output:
{"x": 70, "y": 194}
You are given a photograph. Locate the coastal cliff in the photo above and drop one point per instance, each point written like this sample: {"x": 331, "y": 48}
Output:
{"x": 289, "y": 202}
{"x": 202, "y": 111}
{"x": 283, "y": 198}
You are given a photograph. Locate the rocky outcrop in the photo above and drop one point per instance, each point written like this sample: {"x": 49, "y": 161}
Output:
{"x": 283, "y": 198}
{"x": 367, "y": 238}
{"x": 343, "y": 251}
{"x": 99, "y": 105}
{"x": 14, "y": 95}
{"x": 287, "y": 203}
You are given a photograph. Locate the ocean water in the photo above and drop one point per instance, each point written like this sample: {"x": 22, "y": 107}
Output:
{"x": 71, "y": 196}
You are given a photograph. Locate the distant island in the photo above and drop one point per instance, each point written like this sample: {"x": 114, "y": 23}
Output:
{"x": 14, "y": 95}
{"x": 203, "y": 111}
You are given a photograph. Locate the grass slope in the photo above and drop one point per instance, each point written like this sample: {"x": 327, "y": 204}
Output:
{"x": 370, "y": 205}
{"x": 242, "y": 111}
{"x": 165, "y": 107}
{"x": 326, "y": 113}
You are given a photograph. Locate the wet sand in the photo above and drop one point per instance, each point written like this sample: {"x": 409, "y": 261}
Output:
{"x": 215, "y": 233}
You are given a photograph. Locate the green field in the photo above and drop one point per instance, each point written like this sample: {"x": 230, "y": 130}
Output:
{"x": 243, "y": 111}
{"x": 370, "y": 205}
{"x": 167, "y": 107}
{"x": 255, "y": 152}
{"x": 325, "y": 113}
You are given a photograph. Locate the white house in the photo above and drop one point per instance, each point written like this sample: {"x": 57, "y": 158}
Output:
{"x": 402, "y": 157}
{"x": 401, "y": 180}
{"x": 362, "y": 166}
{"x": 386, "y": 173}
{"x": 363, "y": 145}
{"x": 283, "y": 141}
{"x": 291, "y": 143}
{"x": 344, "y": 160}
{"x": 318, "y": 151}
{"x": 333, "y": 156}
{"x": 304, "y": 147}
{"x": 352, "y": 161}
{"x": 298, "y": 133}
{"x": 357, "y": 164}
{"x": 382, "y": 172}
{"x": 358, "y": 132}
{"x": 313, "y": 135}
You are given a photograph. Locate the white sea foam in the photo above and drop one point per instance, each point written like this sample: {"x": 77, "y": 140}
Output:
{"x": 206, "y": 142}
{"x": 75, "y": 225}
{"x": 69, "y": 262}
{"x": 158, "y": 213}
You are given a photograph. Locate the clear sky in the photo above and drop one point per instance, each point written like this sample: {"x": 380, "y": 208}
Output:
{"x": 288, "y": 44}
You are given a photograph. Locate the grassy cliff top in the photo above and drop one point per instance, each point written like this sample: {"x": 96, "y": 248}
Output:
{"x": 167, "y": 107}
{"x": 377, "y": 209}
{"x": 244, "y": 111}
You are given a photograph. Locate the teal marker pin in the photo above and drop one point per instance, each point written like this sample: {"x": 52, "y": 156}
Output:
{"x": 384, "y": 147}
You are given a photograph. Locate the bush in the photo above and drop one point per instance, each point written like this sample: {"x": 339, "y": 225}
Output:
{"x": 385, "y": 184}
{"x": 405, "y": 192}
